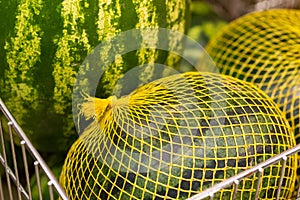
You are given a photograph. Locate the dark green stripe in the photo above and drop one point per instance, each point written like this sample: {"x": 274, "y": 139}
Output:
{"x": 8, "y": 9}
{"x": 51, "y": 23}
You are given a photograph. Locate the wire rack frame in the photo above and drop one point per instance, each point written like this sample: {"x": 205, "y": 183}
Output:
{"x": 24, "y": 192}
{"x": 209, "y": 193}
{"x": 14, "y": 188}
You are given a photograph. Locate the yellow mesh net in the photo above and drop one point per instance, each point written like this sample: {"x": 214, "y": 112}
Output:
{"x": 264, "y": 48}
{"x": 176, "y": 136}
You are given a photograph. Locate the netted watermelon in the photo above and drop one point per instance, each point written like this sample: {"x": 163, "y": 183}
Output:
{"x": 264, "y": 48}
{"x": 176, "y": 136}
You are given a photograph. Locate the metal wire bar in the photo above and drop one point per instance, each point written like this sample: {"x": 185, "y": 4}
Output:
{"x": 298, "y": 192}
{"x": 260, "y": 172}
{"x": 284, "y": 159}
{"x": 50, "y": 190}
{"x": 11, "y": 176}
{"x": 4, "y": 162}
{"x": 41, "y": 163}
{"x": 37, "y": 173}
{"x": 1, "y": 189}
{"x": 230, "y": 181}
{"x": 26, "y": 168}
{"x": 17, "y": 182}
{"x": 236, "y": 185}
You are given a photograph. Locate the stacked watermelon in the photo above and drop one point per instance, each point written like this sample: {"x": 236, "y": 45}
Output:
{"x": 43, "y": 43}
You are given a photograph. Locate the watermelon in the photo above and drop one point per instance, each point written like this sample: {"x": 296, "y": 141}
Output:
{"x": 263, "y": 48}
{"x": 43, "y": 43}
{"x": 176, "y": 136}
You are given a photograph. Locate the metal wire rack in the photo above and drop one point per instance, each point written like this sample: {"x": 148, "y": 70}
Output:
{"x": 235, "y": 180}
{"x": 12, "y": 188}
{"x": 17, "y": 190}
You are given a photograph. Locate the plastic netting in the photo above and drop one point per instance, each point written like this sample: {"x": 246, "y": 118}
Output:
{"x": 264, "y": 48}
{"x": 176, "y": 136}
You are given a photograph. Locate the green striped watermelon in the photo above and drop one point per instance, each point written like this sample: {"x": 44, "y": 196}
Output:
{"x": 43, "y": 43}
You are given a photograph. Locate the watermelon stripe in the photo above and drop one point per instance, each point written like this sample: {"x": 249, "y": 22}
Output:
{"x": 176, "y": 14}
{"x": 146, "y": 12}
{"x": 23, "y": 52}
{"x": 74, "y": 40}
{"x": 108, "y": 16}
{"x": 148, "y": 56}
{"x": 108, "y": 26}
